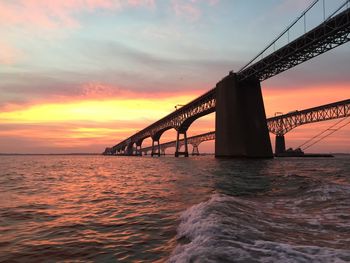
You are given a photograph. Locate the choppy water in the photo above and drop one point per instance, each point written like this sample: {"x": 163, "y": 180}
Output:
{"x": 115, "y": 209}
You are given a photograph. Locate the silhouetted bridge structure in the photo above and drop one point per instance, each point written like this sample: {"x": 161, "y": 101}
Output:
{"x": 278, "y": 125}
{"x": 241, "y": 128}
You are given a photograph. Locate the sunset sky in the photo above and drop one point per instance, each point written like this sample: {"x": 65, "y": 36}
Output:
{"x": 81, "y": 75}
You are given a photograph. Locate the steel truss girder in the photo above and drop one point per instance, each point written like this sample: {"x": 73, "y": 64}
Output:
{"x": 330, "y": 34}
{"x": 280, "y": 125}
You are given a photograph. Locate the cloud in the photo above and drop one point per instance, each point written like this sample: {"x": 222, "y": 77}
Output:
{"x": 190, "y": 9}
{"x": 9, "y": 55}
{"x": 56, "y": 14}
{"x": 110, "y": 69}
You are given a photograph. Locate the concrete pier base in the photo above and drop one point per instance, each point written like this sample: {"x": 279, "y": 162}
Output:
{"x": 129, "y": 150}
{"x": 195, "y": 150}
{"x": 280, "y": 144}
{"x": 155, "y": 148}
{"x": 138, "y": 150}
{"x": 241, "y": 128}
{"x": 177, "y": 149}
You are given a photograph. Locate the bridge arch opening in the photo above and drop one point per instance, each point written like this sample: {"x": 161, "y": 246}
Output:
{"x": 202, "y": 125}
{"x": 146, "y": 144}
{"x": 207, "y": 147}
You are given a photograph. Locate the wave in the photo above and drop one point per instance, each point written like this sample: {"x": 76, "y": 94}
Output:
{"x": 236, "y": 229}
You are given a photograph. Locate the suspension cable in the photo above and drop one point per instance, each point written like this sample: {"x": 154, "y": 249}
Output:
{"x": 325, "y": 136}
{"x": 319, "y": 134}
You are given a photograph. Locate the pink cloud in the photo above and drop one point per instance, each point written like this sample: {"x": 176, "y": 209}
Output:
{"x": 8, "y": 54}
{"x": 190, "y": 9}
{"x": 55, "y": 14}
{"x": 186, "y": 9}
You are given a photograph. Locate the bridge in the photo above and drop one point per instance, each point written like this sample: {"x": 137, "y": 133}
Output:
{"x": 241, "y": 129}
{"x": 195, "y": 141}
{"x": 278, "y": 125}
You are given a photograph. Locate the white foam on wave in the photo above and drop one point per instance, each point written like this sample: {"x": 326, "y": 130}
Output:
{"x": 233, "y": 229}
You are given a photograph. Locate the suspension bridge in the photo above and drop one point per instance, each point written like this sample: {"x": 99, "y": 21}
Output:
{"x": 241, "y": 128}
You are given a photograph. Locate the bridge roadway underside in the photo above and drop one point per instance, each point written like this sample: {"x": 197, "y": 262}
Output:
{"x": 240, "y": 125}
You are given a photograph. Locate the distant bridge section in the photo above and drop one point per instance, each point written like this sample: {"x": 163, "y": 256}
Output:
{"x": 280, "y": 125}
{"x": 195, "y": 141}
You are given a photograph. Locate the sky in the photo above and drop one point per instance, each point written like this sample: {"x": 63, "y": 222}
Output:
{"x": 81, "y": 75}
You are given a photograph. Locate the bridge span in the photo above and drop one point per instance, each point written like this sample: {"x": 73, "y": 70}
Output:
{"x": 278, "y": 125}
{"x": 241, "y": 128}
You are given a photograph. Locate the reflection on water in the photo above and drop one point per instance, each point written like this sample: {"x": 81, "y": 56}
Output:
{"x": 98, "y": 208}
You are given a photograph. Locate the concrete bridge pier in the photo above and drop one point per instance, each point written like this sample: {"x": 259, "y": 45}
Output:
{"x": 195, "y": 151}
{"x": 130, "y": 150}
{"x": 178, "y": 146}
{"x": 155, "y": 147}
{"x": 280, "y": 144}
{"x": 138, "y": 150}
{"x": 241, "y": 127}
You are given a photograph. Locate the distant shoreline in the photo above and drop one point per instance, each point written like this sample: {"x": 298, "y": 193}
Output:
{"x": 70, "y": 154}
{"x": 21, "y": 154}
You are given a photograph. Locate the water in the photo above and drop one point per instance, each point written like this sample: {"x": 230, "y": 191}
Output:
{"x": 115, "y": 209}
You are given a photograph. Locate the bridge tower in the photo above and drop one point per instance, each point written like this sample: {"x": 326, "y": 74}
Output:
{"x": 241, "y": 127}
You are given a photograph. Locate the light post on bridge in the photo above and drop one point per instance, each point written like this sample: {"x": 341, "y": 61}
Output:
{"x": 178, "y": 106}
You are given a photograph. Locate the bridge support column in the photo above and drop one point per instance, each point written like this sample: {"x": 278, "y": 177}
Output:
{"x": 280, "y": 144}
{"x": 162, "y": 150}
{"x": 138, "y": 150}
{"x": 130, "y": 150}
{"x": 195, "y": 150}
{"x": 241, "y": 128}
{"x": 155, "y": 148}
{"x": 178, "y": 146}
